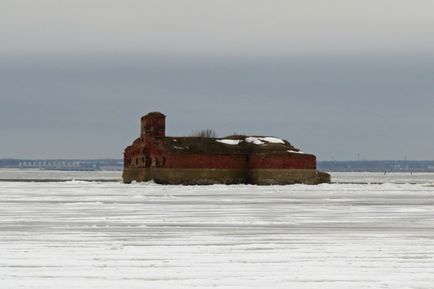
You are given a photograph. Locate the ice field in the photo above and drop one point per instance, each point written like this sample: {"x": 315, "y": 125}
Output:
{"x": 367, "y": 231}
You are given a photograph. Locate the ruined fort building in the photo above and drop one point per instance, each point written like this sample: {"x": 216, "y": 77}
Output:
{"x": 235, "y": 159}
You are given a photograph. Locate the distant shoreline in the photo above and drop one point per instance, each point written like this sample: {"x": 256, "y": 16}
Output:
{"x": 117, "y": 165}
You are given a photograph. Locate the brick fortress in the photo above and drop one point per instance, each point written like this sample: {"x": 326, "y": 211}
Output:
{"x": 234, "y": 159}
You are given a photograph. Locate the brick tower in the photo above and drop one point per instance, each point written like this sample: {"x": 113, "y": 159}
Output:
{"x": 153, "y": 125}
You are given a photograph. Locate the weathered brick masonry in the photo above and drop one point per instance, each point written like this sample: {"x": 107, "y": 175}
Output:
{"x": 200, "y": 160}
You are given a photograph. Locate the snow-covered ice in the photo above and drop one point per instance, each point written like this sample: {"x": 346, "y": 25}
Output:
{"x": 34, "y": 174}
{"x": 81, "y": 234}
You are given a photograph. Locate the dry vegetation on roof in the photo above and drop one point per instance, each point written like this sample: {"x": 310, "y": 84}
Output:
{"x": 205, "y": 133}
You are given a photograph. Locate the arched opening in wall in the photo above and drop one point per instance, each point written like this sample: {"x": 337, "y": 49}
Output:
{"x": 164, "y": 161}
{"x": 157, "y": 162}
{"x": 137, "y": 162}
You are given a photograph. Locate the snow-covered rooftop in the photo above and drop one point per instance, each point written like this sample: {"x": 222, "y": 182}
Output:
{"x": 230, "y": 141}
{"x": 263, "y": 140}
{"x": 252, "y": 139}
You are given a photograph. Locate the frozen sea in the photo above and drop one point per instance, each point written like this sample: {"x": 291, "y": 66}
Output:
{"x": 366, "y": 230}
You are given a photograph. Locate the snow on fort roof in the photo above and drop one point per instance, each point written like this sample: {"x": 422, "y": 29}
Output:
{"x": 296, "y": 152}
{"x": 272, "y": 139}
{"x": 263, "y": 140}
{"x": 252, "y": 139}
{"x": 230, "y": 141}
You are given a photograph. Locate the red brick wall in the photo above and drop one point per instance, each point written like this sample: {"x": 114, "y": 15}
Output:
{"x": 199, "y": 161}
{"x": 131, "y": 153}
{"x": 286, "y": 161}
{"x": 192, "y": 161}
{"x": 158, "y": 157}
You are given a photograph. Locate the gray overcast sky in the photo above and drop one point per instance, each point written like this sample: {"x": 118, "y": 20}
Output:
{"x": 335, "y": 78}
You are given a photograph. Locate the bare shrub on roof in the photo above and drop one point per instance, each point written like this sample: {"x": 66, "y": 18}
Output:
{"x": 205, "y": 133}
